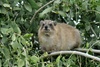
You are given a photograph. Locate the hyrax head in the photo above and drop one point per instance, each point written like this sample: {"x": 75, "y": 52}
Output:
{"x": 47, "y": 27}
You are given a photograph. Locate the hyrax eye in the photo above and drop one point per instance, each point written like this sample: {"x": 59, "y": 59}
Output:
{"x": 50, "y": 24}
{"x": 42, "y": 24}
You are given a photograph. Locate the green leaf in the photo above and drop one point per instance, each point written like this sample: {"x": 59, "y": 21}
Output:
{"x": 87, "y": 45}
{"x": 20, "y": 62}
{"x": 1, "y": 3}
{"x": 4, "y": 30}
{"x": 6, "y": 63}
{"x": 72, "y": 1}
{"x": 33, "y": 4}
{"x": 50, "y": 65}
{"x": 85, "y": 5}
{"x": 28, "y": 7}
{"x": 16, "y": 8}
{"x": 66, "y": 9}
{"x": 58, "y": 61}
{"x": 45, "y": 54}
{"x": 97, "y": 17}
{"x": 15, "y": 27}
{"x": 6, "y": 52}
{"x": 4, "y": 40}
{"x": 3, "y": 10}
{"x": 57, "y": 1}
{"x": 27, "y": 35}
{"x": 15, "y": 45}
{"x": 87, "y": 26}
{"x": 22, "y": 40}
{"x": 34, "y": 59}
{"x": 98, "y": 8}
{"x": 13, "y": 37}
{"x": 0, "y": 63}
{"x": 7, "y": 5}
{"x": 47, "y": 10}
{"x": 63, "y": 14}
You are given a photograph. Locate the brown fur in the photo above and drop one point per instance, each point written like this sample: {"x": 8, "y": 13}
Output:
{"x": 58, "y": 36}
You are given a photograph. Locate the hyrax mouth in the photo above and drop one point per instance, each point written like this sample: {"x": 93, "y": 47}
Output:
{"x": 47, "y": 31}
{"x": 47, "y": 34}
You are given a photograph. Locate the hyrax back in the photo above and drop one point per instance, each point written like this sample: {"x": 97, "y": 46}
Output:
{"x": 57, "y": 36}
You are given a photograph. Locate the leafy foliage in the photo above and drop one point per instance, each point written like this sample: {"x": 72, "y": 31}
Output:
{"x": 18, "y": 37}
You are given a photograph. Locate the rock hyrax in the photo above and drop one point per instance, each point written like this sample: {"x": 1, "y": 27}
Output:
{"x": 57, "y": 36}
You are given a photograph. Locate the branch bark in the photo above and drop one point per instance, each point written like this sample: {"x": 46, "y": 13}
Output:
{"x": 87, "y": 50}
{"x": 40, "y": 10}
{"x": 73, "y": 52}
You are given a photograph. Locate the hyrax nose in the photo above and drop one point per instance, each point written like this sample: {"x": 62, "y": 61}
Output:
{"x": 46, "y": 27}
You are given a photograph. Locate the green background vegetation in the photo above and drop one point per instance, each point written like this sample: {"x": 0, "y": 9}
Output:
{"x": 19, "y": 45}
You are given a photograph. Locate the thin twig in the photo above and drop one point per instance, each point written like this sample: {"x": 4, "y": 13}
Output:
{"x": 94, "y": 32}
{"x": 94, "y": 11}
{"x": 40, "y": 10}
{"x": 91, "y": 50}
{"x": 73, "y": 52}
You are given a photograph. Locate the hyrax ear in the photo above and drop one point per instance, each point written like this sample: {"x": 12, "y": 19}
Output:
{"x": 55, "y": 23}
{"x": 41, "y": 22}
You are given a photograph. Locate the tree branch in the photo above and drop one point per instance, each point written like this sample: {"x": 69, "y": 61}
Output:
{"x": 73, "y": 52}
{"x": 94, "y": 11}
{"x": 40, "y": 10}
{"x": 85, "y": 50}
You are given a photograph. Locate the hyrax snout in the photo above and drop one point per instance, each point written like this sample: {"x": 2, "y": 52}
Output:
{"x": 57, "y": 36}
